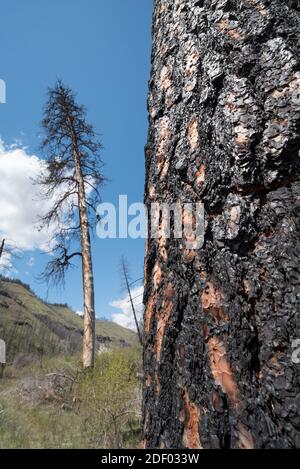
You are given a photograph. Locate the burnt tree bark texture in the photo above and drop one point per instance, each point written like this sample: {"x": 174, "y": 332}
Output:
{"x": 224, "y": 113}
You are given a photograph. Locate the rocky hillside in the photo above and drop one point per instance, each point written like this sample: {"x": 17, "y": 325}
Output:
{"x": 31, "y": 326}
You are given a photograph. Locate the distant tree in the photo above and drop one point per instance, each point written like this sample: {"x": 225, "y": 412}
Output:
{"x": 8, "y": 250}
{"x": 72, "y": 179}
{"x": 127, "y": 284}
{"x": 2, "y": 247}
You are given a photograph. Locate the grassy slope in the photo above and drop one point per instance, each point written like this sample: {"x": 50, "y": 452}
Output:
{"x": 28, "y": 423}
{"x": 29, "y": 420}
{"x": 24, "y": 317}
{"x": 32, "y": 418}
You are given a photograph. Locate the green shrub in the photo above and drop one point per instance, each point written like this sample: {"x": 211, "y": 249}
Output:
{"x": 44, "y": 408}
{"x": 111, "y": 400}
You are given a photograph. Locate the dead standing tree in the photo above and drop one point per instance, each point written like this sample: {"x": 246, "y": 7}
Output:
{"x": 71, "y": 179}
{"x": 125, "y": 274}
{"x": 2, "y": 247}
{"x": 8, "y": 251}
{"x": 224, "y": 113}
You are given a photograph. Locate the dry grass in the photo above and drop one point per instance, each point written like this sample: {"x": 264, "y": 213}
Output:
{"x": 59, "y": 406}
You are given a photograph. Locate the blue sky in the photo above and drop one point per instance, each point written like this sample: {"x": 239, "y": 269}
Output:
{"x": 100, "y": 48}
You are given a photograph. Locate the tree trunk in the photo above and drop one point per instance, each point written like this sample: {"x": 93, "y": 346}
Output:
{"x": 224, "y": 113}
{"x": 2, "y": 247}
{"x": 87, "y": 270}
{"x": 125, "y": 274}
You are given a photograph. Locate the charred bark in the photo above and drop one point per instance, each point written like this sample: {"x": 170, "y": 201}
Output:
{"x": 224, "y": 114}
{"x": 2, "y": 247}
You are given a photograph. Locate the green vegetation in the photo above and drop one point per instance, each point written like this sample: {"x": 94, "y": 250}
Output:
{"x": 31, "y": 326}
{"x": 61, "y": 406}
{"x": 111, "y": 400}
{"x": 46, "y": 399}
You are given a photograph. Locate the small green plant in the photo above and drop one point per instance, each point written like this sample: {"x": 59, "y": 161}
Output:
{"x": 111, "y": 400}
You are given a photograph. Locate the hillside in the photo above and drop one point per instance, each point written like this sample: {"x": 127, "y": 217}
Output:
{"x": 46, "y": 400}
{"x": 31, "y": 326}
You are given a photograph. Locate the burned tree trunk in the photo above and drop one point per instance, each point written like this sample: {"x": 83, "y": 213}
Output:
{"x": 2, "y": 247}
{"x": 87, "y": 269}
{"x": 89, "y": 336}
{"x": 224, "y": 112}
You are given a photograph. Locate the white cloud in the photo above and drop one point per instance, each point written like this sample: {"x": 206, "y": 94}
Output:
{"x": 21, "y": 204}
{"x": 125, "y": 317}
{"x": 80, "y": 313}
{"x": 31, "y": 261}
{"x": 5, "y": 263}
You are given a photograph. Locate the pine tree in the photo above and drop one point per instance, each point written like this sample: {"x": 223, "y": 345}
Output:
{"x": 72, "y": 177}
